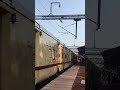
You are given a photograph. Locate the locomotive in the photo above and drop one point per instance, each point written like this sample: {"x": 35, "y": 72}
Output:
{"x": 51, "y": 56}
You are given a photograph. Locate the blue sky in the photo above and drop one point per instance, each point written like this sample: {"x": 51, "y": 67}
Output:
{"x": 68, "y": 7}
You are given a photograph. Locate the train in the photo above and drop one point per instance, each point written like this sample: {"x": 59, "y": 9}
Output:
{"x": 51, "y": 55}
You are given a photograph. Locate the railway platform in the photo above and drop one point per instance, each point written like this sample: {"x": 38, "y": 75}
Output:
{"x": 72, "y": 79}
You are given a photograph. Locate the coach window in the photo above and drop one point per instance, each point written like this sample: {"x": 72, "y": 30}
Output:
{"x": 40, "y": 33}
{"x": 53, "y": 54}
{"x": 62, "y": 53}
{"x": 50, "y": 53}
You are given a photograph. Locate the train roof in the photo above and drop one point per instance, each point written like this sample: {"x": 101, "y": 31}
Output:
{"x": 41, "y": 28}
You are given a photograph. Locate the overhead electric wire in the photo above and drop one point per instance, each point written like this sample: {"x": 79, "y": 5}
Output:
{"x": 46, "y": 3}
{"x": 69, "y": 25}
{"x": 48, "y": 21}
{"x": 47, "y": 11}
{"x": 91, "y": 20}
{"x": 55, "y": 21}
{"x": 44, "y": 7}
{"x": 66, "y": 30}
{"x": 64, "y": 27}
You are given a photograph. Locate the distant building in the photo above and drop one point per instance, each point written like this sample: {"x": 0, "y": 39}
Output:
{"x": 81, "y": 53}
{"x": 74, "y": 49}
{"x": 81, "y": 50}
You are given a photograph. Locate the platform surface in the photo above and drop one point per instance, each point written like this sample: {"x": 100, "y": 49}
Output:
{"x": 72, "y": 79}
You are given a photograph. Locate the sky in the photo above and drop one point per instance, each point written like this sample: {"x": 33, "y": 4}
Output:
{"x": 68, "y": 7}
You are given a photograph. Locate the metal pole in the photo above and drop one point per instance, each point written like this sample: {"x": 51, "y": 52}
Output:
{"x": 76, "y": 27}
{"x": 76, "y": 30}
{"x": 98, "y": 18}
{"x": 50, "y": 8}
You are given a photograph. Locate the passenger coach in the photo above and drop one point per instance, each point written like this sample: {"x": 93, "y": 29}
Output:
{"x": 51, "y": 56}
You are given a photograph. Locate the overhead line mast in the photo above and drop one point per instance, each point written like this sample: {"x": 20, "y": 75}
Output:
{"x": 61, "y": 17}
{"x": 57, "y": 17}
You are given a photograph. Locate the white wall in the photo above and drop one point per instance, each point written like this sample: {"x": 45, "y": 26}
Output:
{"x": 109, "y": 37}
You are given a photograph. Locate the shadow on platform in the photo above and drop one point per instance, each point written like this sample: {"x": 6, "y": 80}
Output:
{"x": 80, "y": 64}
{"x": 80, "y": 76}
